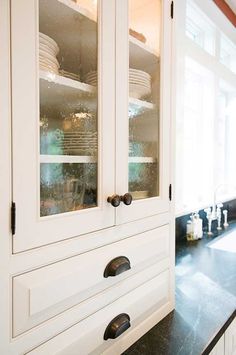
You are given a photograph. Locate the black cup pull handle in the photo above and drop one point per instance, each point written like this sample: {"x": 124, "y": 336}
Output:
{"x": 117, "y": 266}
{"x": 127, "y": 199}
{"x": 114, "y": 200}
{"x": 117, "y": 326}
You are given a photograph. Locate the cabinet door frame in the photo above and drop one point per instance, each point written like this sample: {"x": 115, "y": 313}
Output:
{"x": 155, "y": 205}
{"x": 31, "y": 230}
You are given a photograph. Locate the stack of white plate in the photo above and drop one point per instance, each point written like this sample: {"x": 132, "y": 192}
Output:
{"x": 48, "y": 50}
{"x": 139, "y": 83}
{"x": 69, "y": 75}
{"x": 79, "y": 142}
{"x": 91, "y": 78}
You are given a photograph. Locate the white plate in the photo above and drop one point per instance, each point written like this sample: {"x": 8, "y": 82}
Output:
{"x": 139, "y": 72}
{"x": 46, "y": 69}
{"x": 48, "y": 56}
{"x": 140, "y": 80}
{"x": 93, "y": 83}
{"x": 47, "y": 49}
{"x": 145, "y": 87}
{"x": 91, "y": 79}
{"x": 80, "y": 134}
{"x": 48, "y": 65}
{"x": 141, "y": 83}
{"x": 93, "y": 72}
{"x": 137, "y": 91}
{"x": 49, "y": 45}
{"x": 48, "y": 39}
{"x": 69, "y": 75}
{"x": 48, "y": 61}
{"x": 75, "y": 141}
{"x": 139, "y": 77}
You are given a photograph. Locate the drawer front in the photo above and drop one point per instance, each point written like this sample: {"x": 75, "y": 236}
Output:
{"x": 88, "y": 336}
{"x": 42, "y": 294}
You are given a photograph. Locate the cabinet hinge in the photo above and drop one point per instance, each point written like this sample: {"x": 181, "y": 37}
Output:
{"x": 13, "y": 218}
{"x": 172, "y": 9}
{"x": 170, "y": 192}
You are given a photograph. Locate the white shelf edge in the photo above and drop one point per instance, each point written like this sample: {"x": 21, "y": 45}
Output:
{"x": 86, "y": 159}
{"x": 78, "y": 8}
{"x": 142, "y": 160}
{"x": 140, "y": 103}
{"x": 61, "y": 80}
{"x": 67, "y": 159}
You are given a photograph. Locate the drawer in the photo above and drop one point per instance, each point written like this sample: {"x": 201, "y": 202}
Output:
{"x": 87, "y": 336}
{"x": 46, "y": 292}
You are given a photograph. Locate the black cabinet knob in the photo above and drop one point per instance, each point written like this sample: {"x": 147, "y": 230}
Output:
{"x": 117, "y": 266}
{"x": 127, "y": 199}
{"x": 117, "y": 326}
{"x": 114, "y": 200}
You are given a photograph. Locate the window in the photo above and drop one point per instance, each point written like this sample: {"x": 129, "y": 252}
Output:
{"x": 228, "y": 53}
{"x": 199, "y": 28}
{"x": 206, "y": 112}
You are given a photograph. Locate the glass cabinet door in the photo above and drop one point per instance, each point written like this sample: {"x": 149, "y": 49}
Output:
{"x": 148, "y": 118}
{"x": 68, "y": 108}
{"x": 58, "y": 112}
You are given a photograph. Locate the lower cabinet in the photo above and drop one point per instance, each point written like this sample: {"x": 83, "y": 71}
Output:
{"x": 227, "y": 343}
{"x": 42, "y": 294}
{"x": 230, "y": 339}
{"x": 112, "y": 329}
{"x": 219, "y": 349}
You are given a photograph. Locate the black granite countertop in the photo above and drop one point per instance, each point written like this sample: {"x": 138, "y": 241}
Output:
{"x": 205, "y": 302}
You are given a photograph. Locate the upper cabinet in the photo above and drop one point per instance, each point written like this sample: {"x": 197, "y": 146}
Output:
{"x": 90, "y": 115}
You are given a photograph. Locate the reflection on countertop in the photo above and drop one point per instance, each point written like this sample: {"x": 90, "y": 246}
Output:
{"x": 205, "y": 301}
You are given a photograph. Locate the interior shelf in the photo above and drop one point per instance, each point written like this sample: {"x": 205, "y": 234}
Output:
{"x": 138, "y": 107}
{"x": 142, "y": 160}
{"x": 58, "y": 91}
{"x": 67, "y": 84}
{"x": 67, "y": 159}
{"x": 86, "y": 159}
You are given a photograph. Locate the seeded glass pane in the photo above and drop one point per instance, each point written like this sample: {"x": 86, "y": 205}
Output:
{"x": 144, "y": 101}
{"x": 68, "y": 105}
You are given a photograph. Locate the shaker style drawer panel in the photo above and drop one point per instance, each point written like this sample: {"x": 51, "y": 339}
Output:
{"x": 48, "y": 291}
{"x": 112, "y": 322}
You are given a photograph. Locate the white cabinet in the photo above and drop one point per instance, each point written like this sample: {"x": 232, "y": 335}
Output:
{"x": 230, "y": 339}
{"x": 219, "y": 348}
{"x": 63, "y": 171}
{"x": 91, "y": 115}
{"x": 86, "y": 155}
{"x": 227, "y": 343}
{"x": 38, "y": 295}
{"x": 88, "y": 336}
